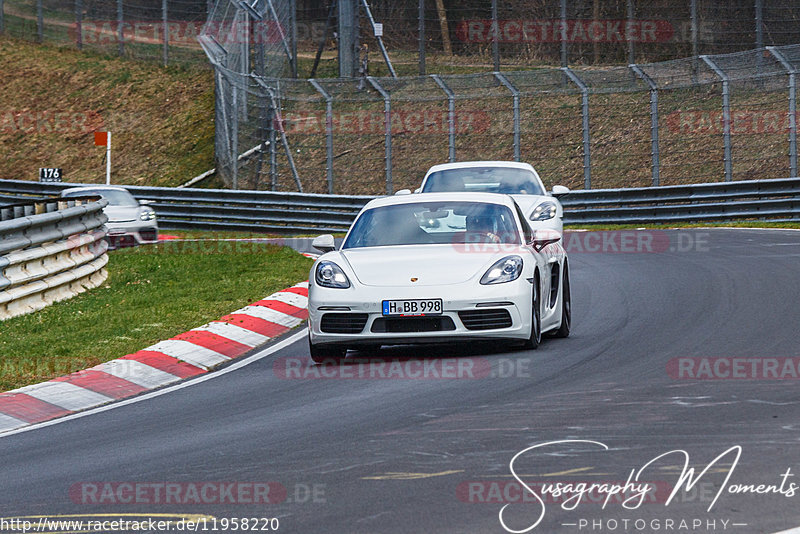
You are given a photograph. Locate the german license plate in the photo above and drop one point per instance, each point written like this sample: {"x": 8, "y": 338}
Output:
{"x": 409, "y": 308}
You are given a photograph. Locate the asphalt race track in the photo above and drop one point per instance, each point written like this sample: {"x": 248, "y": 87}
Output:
{"x": 431, "y": 455}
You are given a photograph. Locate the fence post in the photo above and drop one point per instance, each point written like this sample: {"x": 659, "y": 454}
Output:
{"x": 79, "y": 24}
{"x": 387, "y": 119}
{"x": 328, "y": 131}
{"x": 421, "y": 37}
{"x": 759, "y": 33}
{"x": 166, "y": 34}
{"x": 273, "y": 150}
{"x": 451, "y": 115}
{"x": 293, "y": 36}
{"x": 515, "y": 96}
{"x": 347, "y": 37}
{"x": 695, "y": 44}
{"x": 2, "y": 18}
{"x": 39, "y": 21}
{"x": 495, "y": 43}
{"x": 656, "y": 166}
{"x": 792, "y": 108}
{"x": 279, "y": 120}
{"x": 587, "y": 158}
{"x": 120, "y": 35}
{"x": 631, "y": 50}
{"x": 234, "y": 116}
{"x": 563, "y": 33}
{"x": 726, "y": 114}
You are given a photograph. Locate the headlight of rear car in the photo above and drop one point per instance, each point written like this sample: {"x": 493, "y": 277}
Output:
{"x": 328, "y": 274}
{"x": 544, "y": 211}
{"x": 147, "y": 215}
{"x": 505, "y": 270}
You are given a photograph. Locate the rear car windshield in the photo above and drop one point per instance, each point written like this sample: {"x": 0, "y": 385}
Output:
{"x": 505, "y": 180}
{"x": 114, "y": 196}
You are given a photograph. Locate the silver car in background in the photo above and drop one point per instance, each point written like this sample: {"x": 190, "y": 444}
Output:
{"x": 130, "y": 222}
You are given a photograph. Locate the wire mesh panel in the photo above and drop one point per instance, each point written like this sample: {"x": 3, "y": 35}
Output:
{"x": 551, "y": 125}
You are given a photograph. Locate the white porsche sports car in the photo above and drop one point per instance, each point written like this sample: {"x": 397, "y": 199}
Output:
{"x": 542, "y": 209}
{"x": 437, "y": 267}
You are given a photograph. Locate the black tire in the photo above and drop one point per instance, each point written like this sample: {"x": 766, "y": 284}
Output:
{"x": 326, "y": 353}
{"x": 566, "y": 306}
{"x": 532, "y": 343}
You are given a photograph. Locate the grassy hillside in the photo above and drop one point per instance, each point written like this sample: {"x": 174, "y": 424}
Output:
{"x": 53, "y": 99}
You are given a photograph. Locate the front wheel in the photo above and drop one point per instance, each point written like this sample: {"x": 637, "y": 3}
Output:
{"x": 326, "y": 353}
{"x": 566, "y": 307}
{"x": 536, "y": 321}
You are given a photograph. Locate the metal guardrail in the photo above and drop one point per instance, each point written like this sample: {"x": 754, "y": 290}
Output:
{"x": 292, "y": 213}
{"x": 50, "y": 250}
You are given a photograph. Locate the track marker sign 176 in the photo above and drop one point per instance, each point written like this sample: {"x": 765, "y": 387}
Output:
{"x": 50, "y": 174}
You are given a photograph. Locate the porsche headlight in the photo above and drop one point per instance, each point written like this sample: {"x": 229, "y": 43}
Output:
{"x": 147, "y": 215}
{"x": 328, "y": 274}
{"x": 544, "y": 211}
{"x": 506, "y": 270}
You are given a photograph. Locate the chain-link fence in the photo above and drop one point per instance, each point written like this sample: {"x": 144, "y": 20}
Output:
{"x": 128, "y": 28}
{"x": 425, "y": 35}
{"x": 701, "y": 119}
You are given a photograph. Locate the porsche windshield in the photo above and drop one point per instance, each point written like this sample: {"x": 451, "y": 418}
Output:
{"x": 505, "y": 180}
{"x": 434, "y": 222}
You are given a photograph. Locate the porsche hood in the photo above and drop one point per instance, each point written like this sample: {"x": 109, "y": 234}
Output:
{"x": 426, "y": 265}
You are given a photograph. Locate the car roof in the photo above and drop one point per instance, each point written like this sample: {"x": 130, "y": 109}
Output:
{"x": 486, "y": 198}
{"x": 94, "y": 187}
{"x": 478, "y": 164}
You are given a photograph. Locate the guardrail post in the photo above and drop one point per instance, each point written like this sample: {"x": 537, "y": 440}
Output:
{"x": 451, "y": 115}
{"x": 515, "y": 97}
{"x": 387, "y": 119}
{"x": 726, "y": 114}
{"x": 328, "y": 131}
{"x": 656, "y": 166}
{"x": 587, "y": 158}
{"x": 792, "y": 108}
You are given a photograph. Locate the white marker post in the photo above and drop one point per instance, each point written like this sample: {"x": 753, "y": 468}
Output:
{"x": 104, "y": 139}
{"x": 108, "y": 159}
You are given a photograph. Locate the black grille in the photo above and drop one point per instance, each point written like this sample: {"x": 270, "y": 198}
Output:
{"x": 485, "y": 319}
{"x": 343, "y": 323}
{"x": 150, "y": 234}
{"x": 412, "y": 324}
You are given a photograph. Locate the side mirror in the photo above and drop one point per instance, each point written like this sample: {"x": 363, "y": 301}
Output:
{"x": 404, "y": 192}
{"x": 542, "y": 238}
{"x": 145, "y": 202}
{"x": 324, "y": 243}
{"x": 560, "y": 191}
